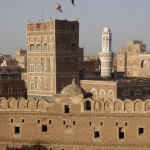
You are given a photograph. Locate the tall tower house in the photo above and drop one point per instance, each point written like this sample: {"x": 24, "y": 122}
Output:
{"x": 106, "y": 55}
{"x": 52, "y": 56}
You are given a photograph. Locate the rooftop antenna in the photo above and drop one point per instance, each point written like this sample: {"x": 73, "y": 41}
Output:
{"x": 42, "y": 16}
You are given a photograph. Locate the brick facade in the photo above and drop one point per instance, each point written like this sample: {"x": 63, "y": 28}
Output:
{"x": 134, "y": 60}
{"x": 52, "y": 56}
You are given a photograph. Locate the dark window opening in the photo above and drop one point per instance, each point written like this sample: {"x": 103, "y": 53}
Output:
{"x": 66, "y": 109}
{"x": 90, "y": 123}
{"x": 51, "y": 149}
{"x": 74, "y": 122}
{"x": 22, "y": 120}
{"x": 140, "y": 131}
{"x": 126, "y": 124}
{"x": 96, "y": 134}
{"x": 116, "y": 123}
{"x": 44, "y": 128}
{"x": 12, "y": 120}
{"x": 121, "y": 133}
{"x": 101, "y": 123}
{"x": 17, "y": 130}
{"x": 87, "y": 105}
{"x": 50, "y": 121}
{"x": 19, "y": 90}
{"x": 64, "y": 122}
{"x": 38, "y": 121}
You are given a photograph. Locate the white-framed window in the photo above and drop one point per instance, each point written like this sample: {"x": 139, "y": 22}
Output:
{"x": 38, "y": 68}
{"x": 38, "y": 47}
{"x": 110, "y": 93}
{"x": 45, "y": 47}
{"x": 38, "y": 86}
{"x": 31, "y": 47}
{"x": 32, "y": 85}
{"x": 102, "y": 92}
{"x": 94, "y": 91}
{"x": 32, "y": 68}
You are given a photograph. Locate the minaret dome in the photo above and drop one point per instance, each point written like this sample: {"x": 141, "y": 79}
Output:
{"x": 106, "y": 30}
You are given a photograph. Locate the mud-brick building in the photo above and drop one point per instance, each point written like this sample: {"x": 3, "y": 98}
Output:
{"x": 129, "y": 88}
{"x": 134, "y": 60}
{"x": 11, "y": 82}
{"x": 53, "y": 56}
{"x": 71, "y": 121}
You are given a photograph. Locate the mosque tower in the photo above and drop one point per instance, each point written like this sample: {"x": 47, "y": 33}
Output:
{"x": 106, "y": 55}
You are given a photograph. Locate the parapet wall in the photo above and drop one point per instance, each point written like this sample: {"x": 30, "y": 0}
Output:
{"x": 82, "y": 106}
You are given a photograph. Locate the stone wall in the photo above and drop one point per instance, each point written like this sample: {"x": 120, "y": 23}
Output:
{"x": 70, "y": 122}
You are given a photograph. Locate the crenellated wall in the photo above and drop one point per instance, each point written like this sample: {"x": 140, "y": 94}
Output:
{"x": 96, "y": 105}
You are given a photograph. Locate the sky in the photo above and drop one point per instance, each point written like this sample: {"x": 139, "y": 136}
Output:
{"x": 128, "y": 20}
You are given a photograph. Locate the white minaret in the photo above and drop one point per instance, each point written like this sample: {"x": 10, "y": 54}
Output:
{"x": 106, "y": 55}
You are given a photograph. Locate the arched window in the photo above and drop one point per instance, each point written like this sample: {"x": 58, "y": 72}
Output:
{"x": 87, "y": 105}
{"x": 38, "y": 66}
{"x": 39, "y": 86}
{"x": 102, "y": 92}
{"x": 110, "y": 93}
{"x": 32, "y": 86}
{"x": 143, "y": 64}
{"x": 94, "y": 91}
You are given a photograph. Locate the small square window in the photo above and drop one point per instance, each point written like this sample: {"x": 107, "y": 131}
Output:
{"x": 44, "y": 128}
{"x": 38, "y": 121}
{"x": 16, "y": 130}
{"x": 140, "y": 131}
{"x": 96, "y": 134}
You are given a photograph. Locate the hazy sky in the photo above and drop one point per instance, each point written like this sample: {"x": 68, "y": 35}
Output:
{"x": 128, "y": 19}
